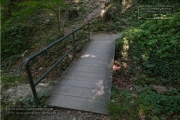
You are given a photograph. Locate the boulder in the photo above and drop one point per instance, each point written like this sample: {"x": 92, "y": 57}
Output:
{"x": 159, "y": 89}
{"x": 139, "y": 88}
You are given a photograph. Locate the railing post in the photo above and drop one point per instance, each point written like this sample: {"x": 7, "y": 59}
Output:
{"x": 89, "y": 30}
{"x": 31, "y": 82}
{"x": 74, "y": 54}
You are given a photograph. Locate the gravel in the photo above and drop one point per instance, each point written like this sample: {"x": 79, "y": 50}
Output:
{"x": 65, "y": 114}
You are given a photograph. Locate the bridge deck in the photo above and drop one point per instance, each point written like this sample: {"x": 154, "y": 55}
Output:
{"x": 86, "y": 85}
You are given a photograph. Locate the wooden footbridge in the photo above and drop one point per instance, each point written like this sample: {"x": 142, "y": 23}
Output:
{"x": 86, "y": 83}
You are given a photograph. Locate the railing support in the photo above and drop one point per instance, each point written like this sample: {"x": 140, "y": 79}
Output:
{"x": 89, "y": 30}
{"x": 74, "y": 54}
{"x": 31, "y": 82}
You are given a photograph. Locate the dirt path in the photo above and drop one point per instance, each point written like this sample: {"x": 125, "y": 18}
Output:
{"x": 64, "y": 114}
{"x": 95, "y": 13}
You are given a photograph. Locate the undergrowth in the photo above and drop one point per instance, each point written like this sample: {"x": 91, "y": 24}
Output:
{"x": 151, "y": 49}
{"x": 122, "y": 106}
{"x": 154, "y": 48}
{"x": 15, "y": 41}
{"x": 149, "y": 103}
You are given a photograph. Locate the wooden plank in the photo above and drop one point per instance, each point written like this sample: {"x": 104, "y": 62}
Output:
{"x": 88, "y": 79}
{"x": 99, "y": 93}
{"x": 84, "y": 83}
{"x": 96, "y": 63}
{"x": 78, "y": 103}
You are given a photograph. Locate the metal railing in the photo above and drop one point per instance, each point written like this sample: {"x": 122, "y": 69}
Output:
{"x": 34, "y": 83}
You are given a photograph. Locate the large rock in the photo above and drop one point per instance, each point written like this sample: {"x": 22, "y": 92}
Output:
{"x": 22, "y": 91}
{"x": 139, "y": 88}
{"x": 102, "y": 5}
{"x": 159, "y": 89}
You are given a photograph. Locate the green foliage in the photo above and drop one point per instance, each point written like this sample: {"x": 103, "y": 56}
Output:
{"x": 21, "y": 19}
{"x": 154, "y": 47}
{"x": 142, "y": 79}
{"x": 153, "y": 103}
{"x": 154, "y": 2}
{"x": 119, "y": 47}
{"x": 147, "y": 101}
{"x": 15, "y": 42}
{"x": 110, "y": 21}
{"x": 124, "y": 106}
{"x": 43, "y": 96}
{"x": 6, "y": 9}
{"x": 114, "y": 91}
{"x": 56, "y": 6}
{"x": 101, "y": 26}
{"x": 152, "y": 50}
{"x": 29, "y": 101}
{"x": 13, "y": 80}
{"x": 111, "y": 13}
{"x": 115, "y": 110}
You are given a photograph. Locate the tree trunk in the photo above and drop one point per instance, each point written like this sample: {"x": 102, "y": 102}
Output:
{"x": 58, "y": 17}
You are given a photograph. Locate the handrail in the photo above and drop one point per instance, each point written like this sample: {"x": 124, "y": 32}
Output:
{"x": 28, "y": 60}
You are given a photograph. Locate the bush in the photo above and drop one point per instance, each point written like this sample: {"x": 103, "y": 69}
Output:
{"x": 155, "y": 47}
{"x": 14, "y": 42}
{"x": 11, "y": 80}
{"x": 124, "y": 106}
{"x": 152, "y": 102}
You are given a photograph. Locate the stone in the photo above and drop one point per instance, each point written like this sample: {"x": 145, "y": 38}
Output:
{"x": 124, "y": 21}
{"x": 1, "y": 97}
{"x": 69, "y": 46}
{"x": 47, "y": 21}
{"x": 89, "y": 116}
{"x": 96, "y": 3}
{"x": 9, "y": 90}
{"x": 134, "y": 95}
{"x": 139, "y": 88}
{"x": 79, "y": 112}
{"x": 18, "y": 103}
{"x": 68, "y": 112}
{"x": 154, "y": 118}
{"x": 43, "y": 84}
{"x": 70, "y": 56}
{"x": 159, "y": 89}
{"x": 40, "y": 68}
{"x": 113, "y": 101}
{"x": 24, "y": 53}
{"x": 131, "y": 88}
{"x": 101, "y": 5}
